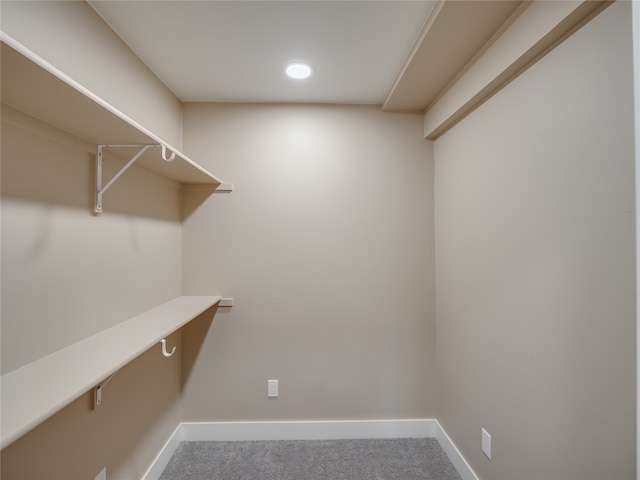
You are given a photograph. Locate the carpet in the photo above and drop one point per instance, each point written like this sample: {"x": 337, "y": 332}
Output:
{"x": 370, "y": 459}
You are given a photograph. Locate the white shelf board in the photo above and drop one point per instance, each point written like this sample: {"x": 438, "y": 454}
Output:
{"x": 35, "y": 87}
{"x": 34, "y": 392}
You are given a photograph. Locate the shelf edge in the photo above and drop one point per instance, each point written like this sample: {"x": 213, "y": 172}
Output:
{"x": 41, "y": 62}
{"x": 40, "y": 414}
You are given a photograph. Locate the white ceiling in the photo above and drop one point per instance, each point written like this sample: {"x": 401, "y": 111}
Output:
{"x": 235, "y": 51}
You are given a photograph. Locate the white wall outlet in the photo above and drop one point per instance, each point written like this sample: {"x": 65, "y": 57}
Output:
{"x": 272, "y": 388}
{"x": 486, "y": 443}
{"x": 102, "y": 475}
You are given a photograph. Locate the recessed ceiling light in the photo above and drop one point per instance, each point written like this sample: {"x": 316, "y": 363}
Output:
{"x": 298, "y": 70}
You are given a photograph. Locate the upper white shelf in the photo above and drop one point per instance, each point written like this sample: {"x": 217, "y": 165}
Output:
{"x": 33, "y": 86}
{"x": 34, "y": 392}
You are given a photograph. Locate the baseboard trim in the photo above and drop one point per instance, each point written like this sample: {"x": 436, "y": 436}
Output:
{"x": 458, "y": 461}
{"x": 163, "y": 457}
{"x": 312, "y": 430}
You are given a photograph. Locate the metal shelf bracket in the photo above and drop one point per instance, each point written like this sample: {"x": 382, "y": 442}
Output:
{"x": 97, "y": 391}
{"x": 100, "y": 189}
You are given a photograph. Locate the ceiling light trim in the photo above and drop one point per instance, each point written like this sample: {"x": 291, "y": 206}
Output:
{"x": 298, "y": 70}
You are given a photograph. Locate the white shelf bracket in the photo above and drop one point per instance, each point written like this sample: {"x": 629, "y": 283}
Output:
{"x": 100, "y": 189}
{"x": 97, "y": 391}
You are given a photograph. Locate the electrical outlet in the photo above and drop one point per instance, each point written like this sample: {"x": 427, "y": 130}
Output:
{"x": 486, "y": 443}
{"x": 272, "y": 388}
{"x": 102, "y": 475}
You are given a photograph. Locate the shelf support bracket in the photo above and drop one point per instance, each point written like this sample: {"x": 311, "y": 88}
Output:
{"x": 97, "y": 391}
{"x": 100, "y": 189}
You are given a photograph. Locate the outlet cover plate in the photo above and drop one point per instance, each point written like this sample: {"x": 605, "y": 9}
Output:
{"x": 486, "y": 443}
{"x": 272, "y": 388}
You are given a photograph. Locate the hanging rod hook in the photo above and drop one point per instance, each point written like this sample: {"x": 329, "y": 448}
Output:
{"x": 164, "y": 348}
{"x": 164, "y": 154}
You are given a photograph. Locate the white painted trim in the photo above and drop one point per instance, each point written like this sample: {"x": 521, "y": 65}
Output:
{"x": 528, "y": 35}
{"x": 162, "y": 459}
{"x": 458, "y": 461}
{"x": 311, "y": 430}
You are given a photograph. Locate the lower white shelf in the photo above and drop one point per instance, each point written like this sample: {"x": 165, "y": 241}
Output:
{"x": 31, "y": 394}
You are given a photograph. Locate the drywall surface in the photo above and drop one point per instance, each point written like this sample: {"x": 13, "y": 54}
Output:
{"x": 73, "y": 38}
{"x": 139, "y": 412}
{"x": 326, "y": 245}
{"x": 635, "y": 7}
{"x": 536, "y": 267}
{"x": 67, "y": 275}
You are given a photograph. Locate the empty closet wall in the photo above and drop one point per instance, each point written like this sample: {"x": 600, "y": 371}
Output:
{"x": 536, "y": 265}
{"x": 67, "y": 274}
{"x": 73, "y": 38}
{"x": 326, "y": 245}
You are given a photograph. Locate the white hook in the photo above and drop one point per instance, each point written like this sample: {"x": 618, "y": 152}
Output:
{"x": 164, "y": 348}
{"x": 164, "y": 154}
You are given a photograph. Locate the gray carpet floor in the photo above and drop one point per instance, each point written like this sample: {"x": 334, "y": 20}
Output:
{"x": 376, "y": 459}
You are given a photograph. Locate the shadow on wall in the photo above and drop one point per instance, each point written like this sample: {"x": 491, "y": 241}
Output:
{"x": 141, "y": 401}
{"x": 193, "y": 337}
{"x": 41, "y": 164}
{"x": 193, "y": 197}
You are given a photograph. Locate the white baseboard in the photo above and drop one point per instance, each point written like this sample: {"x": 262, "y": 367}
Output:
{"x": 456, "y": 458}
{"x": 162, "y": 459}
{"x": 313, "y": 430}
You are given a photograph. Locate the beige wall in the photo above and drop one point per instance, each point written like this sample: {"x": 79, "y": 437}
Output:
{"x": 536, "y": 264}
{"x": 67, "y": 275}
{"x": 326, "y": 245}
{"x": 140, "y": 410}
{"x": 636, "y": 67}
{"x": 73, "y": 38}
